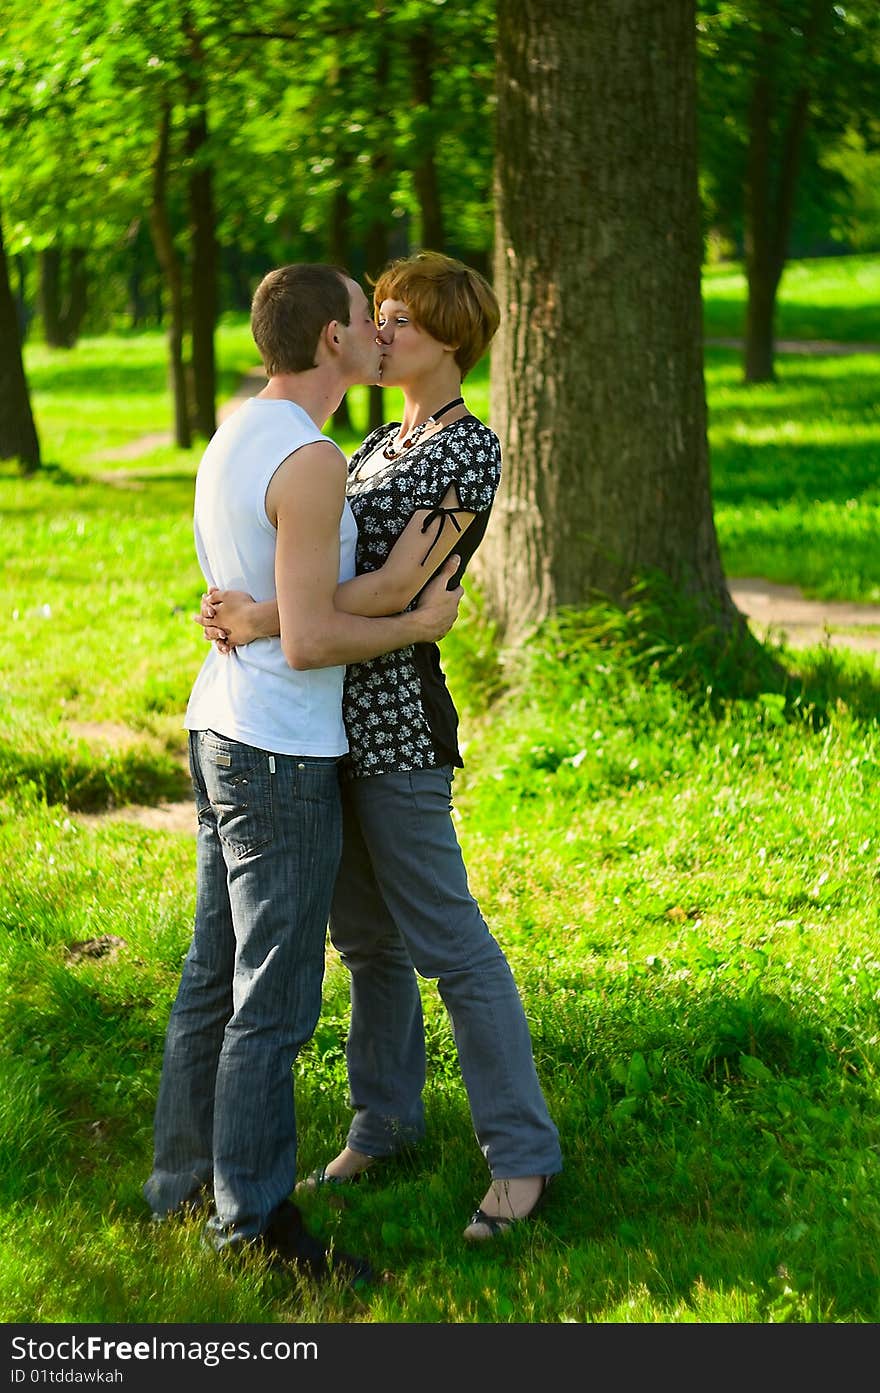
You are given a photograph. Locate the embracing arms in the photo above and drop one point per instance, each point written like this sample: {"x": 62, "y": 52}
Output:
{"x": 305, "y": 500}
{"x": 232, "y": 617}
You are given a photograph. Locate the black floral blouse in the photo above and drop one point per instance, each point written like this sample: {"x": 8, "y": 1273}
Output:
{"x": 398, "y": 711}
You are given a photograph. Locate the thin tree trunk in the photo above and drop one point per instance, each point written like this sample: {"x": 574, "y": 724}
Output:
{"x": 762, "y": 272}
{"x": 340, "y": 208}
{"x": 339, "y": 230}
{"x": 23, "y": 309}
{"x": 203, "y": 278}
{"x": 18, "y": 433}
{"x": 376, "y": 240}
{"x": 163, "y": 242}
{"x": 50, "y": 296}
{"x": 597, "y": 387}
{"x": 425, "y": 180}
{"x": 137, "y": 305}
{"x": 769, "y": 203}
{"x": 76, "y": 295}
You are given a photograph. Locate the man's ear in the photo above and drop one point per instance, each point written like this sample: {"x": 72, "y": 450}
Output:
{"x": 330, "y": 337}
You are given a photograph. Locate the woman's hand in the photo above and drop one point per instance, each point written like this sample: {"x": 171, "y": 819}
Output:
{"x": 228, "y": 618}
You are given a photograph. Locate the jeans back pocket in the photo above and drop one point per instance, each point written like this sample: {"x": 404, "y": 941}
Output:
{"x": 238, "y": 783}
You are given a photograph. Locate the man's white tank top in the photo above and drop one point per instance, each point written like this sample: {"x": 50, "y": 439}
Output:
{"x": 252, "y": 694}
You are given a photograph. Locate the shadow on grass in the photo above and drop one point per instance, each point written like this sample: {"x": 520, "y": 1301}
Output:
{"x": 138, "y": 377}
{"x": 775, "y": 473}
{"x": 143, "y": 491}
{"x": 691, "y": 647}
{"x": 84, "y": 780}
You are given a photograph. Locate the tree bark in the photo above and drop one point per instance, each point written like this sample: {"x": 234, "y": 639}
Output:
{"x": 376, "y": 240}
{"x": 425, "y": 180}
{"x": 23, "y": 308}
{"x": 166, "y": 255}
{"x": 137, "y": 304}
{"x": 770, "y": 196}
{"x": 339, "y": 228}
{"x": 376, "y": 249}
{"x": 18, "y": 433}
{"x": 203, "y": 268}
{"x": 597, "y": 387}
{"x": 50, "y": 296}
{"x": 75, "y": 299}
{"x": 340, "y": 251}
{"x": 63, "y": 294}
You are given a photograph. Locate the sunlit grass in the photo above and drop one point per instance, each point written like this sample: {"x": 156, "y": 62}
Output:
{"x": 825, "y": 298}
{"x": 687, "y": 899}
{"x": 794, "y": 472}
{"x": 112, "y": 390}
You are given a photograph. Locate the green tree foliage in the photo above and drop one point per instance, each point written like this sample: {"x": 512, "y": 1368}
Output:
{"x": 349, "y": 132}
{"x": 331, "y": 132}
{"x": 781, "y": 82}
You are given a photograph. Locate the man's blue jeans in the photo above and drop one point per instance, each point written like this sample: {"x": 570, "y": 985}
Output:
{"x": 269, "y": 842}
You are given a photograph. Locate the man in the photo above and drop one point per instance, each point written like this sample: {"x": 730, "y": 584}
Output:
{"x": 266, "y": 732}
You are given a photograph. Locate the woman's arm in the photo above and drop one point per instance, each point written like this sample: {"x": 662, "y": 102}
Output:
{"x": 232, "y": 617}
{"x": 421, "y": 548}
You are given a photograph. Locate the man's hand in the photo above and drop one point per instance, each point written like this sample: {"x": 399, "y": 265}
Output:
{"x": 437, "y": 606}
{"x": 227, "y": 618}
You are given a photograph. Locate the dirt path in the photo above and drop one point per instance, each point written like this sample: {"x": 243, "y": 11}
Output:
{"x": 249, "y": 385}
{"x": 829, "y": 348}
{"x": 782, "y": 611}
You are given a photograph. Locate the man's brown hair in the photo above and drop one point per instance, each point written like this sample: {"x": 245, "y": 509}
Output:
{"x": 291, "y": 307}
{"x": 454, "y": 303}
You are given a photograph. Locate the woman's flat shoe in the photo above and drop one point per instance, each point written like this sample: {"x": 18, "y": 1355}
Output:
{"x": 319, "y": 1177}
{"x": 483, "y": 1226}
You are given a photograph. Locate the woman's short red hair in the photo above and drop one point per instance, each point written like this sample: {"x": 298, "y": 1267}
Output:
{"x": 453, "y": 302}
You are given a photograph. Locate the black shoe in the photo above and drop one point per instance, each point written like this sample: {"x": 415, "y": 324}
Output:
{"x": 287, "y": 1240}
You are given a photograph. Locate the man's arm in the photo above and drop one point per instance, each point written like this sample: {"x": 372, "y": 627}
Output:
{"x": 232, "y": 617}
{"x": 305, "y": 498}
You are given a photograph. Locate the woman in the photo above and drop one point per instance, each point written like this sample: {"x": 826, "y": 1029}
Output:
{"x": 424, "y": 487}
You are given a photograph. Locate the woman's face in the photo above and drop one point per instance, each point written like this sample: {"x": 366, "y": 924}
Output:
{"x": 408, "y": 351}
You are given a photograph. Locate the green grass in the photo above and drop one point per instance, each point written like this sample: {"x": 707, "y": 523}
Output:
{"x": 826, "y": 298}
{"x": 113, "y": 390}
{"x": 687, "y": 897}
{"x": 794, "y": 472}
{"x": 686, "y": 882}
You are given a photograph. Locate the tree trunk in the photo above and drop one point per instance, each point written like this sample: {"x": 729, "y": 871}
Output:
{"x": 425, "y": 179}
{"x": 376, "y": 240}
{"x": 597, "y": 387}
{"x": 18, "y": 434}
{"x": 762, "y": 270}
{"x": 137, "y": 305}
{"x": 340, "y": 251}
{"x": 50, "y": 296}
{"x": 376, "y": 252}
{"x": 769, "y": 200}
{"x": 76, "y": 295}
{"x": 163, "y": 242}
{"x": 23, "y": 308}
{"x": 203, "y": 279}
